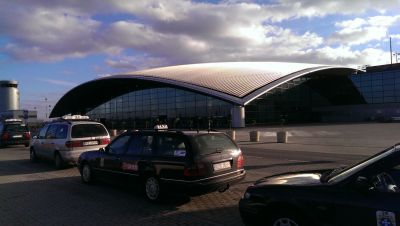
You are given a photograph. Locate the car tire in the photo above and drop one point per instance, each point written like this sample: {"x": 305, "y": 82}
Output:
{"x": 87, "y": 174}
{"x": 32, "y": 156}
{"x": 286, "y": 218}
{"x": 152, "y": 189}
{"x": 58, "y": 161}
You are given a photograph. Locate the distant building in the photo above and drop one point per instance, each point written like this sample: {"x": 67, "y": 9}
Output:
{"x": 237, "y": 94}
{"x": 9, "y": 95}
{"x": 10, "y": 103}
{"x": 222, "y": 94}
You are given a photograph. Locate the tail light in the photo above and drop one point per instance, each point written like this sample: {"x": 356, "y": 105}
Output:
{"x": 240, "y": 161}
{"x": 198, "y": 170}
{"x": 104, "y": 141}
{"x": 28, "y": 135}
{"x": 5, "y": 136}
{"x": 74, "y": 144}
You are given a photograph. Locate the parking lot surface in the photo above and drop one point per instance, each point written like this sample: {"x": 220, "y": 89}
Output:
{"x": 38, "y": 194}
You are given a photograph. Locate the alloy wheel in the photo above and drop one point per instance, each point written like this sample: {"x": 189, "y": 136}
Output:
{"x": 152, "y": 188}
{"x": 86, "y": 173}
{"x": 284, "y": 221}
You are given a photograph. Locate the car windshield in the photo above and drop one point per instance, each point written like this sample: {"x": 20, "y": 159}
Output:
{"x": 211, "y": 143}
{"x": 341, "y": 174}
{"x": 16, "y": 128}
{"x": 88, "y": 130}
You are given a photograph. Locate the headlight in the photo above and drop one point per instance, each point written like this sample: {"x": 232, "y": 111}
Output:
{"x": 246, "y": 195}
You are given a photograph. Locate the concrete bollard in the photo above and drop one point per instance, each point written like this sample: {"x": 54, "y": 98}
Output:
{"x": 281, "y": 137}
{"x": 113, "y": 132}
{"x": 231, "y": 134}
{"x": 255, "y": 136}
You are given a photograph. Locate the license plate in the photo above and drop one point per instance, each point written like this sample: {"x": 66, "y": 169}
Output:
{"x": 17, "y": 136}
{"x": 95, "y": 142}
{"x": 222, "y": 166}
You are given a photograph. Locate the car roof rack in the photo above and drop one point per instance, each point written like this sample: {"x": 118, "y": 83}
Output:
{"x": 72, "y": 118}
{"x": 12, "y": 120}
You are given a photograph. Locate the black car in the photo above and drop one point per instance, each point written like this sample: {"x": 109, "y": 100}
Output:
{"x": 14, "y": 131}
{"x": 364, "y": 194}
{"x": 193, "y": 162}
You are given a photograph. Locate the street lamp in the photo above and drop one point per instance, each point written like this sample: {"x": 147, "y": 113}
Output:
{"x": 47, "y": 106}
{"x": 396, "y": 56}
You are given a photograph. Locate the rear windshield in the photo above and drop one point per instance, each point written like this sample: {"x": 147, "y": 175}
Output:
{"x": 88, "y": 130}
{"x": 16, "y": 128}
{"x": 211, "y": 143}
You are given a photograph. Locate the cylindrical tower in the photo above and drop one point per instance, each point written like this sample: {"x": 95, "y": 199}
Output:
{"x": 9, "y": 95}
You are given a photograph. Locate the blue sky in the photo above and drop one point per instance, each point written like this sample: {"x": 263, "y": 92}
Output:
{"x": 52, "y": 46}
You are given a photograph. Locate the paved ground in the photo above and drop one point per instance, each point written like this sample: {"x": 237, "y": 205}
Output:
{"x": 357, "y": 139}
{"x": 37, "y": 194}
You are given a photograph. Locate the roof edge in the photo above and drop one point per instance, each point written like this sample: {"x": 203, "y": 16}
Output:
{"x": 252, "y": 96}
{"x": 200, "y": 89}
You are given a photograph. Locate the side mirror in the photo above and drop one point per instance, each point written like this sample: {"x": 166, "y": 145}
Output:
{"x": 35, "y": 137}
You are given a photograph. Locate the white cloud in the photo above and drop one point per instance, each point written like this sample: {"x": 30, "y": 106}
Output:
{"x": 360, "y": 31}
{"x": 396, "y": 36}
{"x": 285, "y": 9}
{"x": 57, "y": 82}
{"x": 343, "y": 55}
{"x": 177, "y": 32}
{"x": 129, "y": 63}
{"x": 47, "y": 35}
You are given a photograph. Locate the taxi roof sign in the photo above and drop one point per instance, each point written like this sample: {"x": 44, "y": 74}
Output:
{"x": 13, "y": 120}
{"x": 161, "y": 127}
{"x": 76, "y": 117}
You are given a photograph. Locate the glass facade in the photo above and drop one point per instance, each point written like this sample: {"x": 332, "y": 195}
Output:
{"x": 176, "y": 107}
{"x": 297, "y": 100}
{"x": 325, "y": 96}
{"x": 379, "y": 87}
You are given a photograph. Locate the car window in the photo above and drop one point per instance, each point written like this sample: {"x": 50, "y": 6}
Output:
{"x": 16, "y": 128}
{"x": 51, "y": 132}
{"x": 43, "y": 131}
{"x": 119, "y": 145}
{"x": 88, "y": 130}
{"x": 136, "y": 145}
{"x": 210, "y": 143}
{"x": 171, "y": 146}
{"x": 141, "y": 144}
{"x": 61, "y": 132}
{"x": 388, "y": 180}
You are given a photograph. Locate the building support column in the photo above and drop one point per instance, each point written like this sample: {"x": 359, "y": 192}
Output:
{"x": 238, "y": 116}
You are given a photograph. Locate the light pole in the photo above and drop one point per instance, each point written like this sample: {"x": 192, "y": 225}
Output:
{"x": 45, "y": 99}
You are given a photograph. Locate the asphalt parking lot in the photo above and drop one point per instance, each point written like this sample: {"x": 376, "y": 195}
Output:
{"x": 38, "y": 194}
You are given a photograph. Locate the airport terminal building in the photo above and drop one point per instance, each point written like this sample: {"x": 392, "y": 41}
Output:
{"x": 237, "y": 94}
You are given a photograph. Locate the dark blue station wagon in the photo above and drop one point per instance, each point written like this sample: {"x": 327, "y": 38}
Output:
{"x": 194, "y": 162}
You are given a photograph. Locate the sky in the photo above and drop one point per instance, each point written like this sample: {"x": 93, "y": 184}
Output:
{"x": 49, "y": 47}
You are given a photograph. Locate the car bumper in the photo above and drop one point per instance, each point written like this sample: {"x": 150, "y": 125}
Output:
{"x": 71, "y": 156}
{"x": 14, "y": 142}
{"x": 250, "y": 212}
{"x": 206, "y": 185}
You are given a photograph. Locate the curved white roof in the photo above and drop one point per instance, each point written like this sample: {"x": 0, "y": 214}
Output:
{"x": 235, "y": 82}
{"x": 236, "y": 79}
